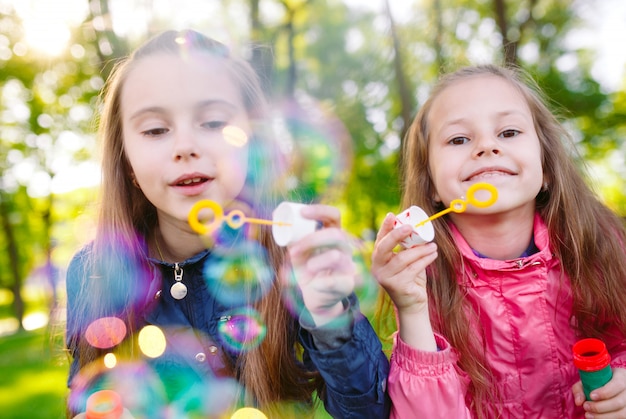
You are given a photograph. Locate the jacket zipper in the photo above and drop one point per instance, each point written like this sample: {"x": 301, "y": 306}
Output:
{"x": 178, "y": 272}
{"x": 520, "y": 263}
{"x": 178, "y": 277}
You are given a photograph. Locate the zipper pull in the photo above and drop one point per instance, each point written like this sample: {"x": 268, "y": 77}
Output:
{"x": 178, "y": 289}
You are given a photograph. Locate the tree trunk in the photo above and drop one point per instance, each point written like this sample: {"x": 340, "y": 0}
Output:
{"x": 439, "y": 36}
{"x": 404, "y": 90}
{"x": 18, "y": 302}
{"x": 261, "y": 58}
{"x": 508, "y": 47}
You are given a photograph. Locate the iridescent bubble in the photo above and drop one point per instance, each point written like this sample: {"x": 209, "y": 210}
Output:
{"x": 238, "y": 274}
{"x": 139, "y": 386}
{"x": 292, "y": 297}
{"x": 320, "y": 148}
{"x": 105, "y": 332}
{"x": 209, "y": 398}
{"x": 267, "y": 168}
{"x": 119, "y": 279}
{"x": 242, "y": 329}
{"x": 367, "y": 288}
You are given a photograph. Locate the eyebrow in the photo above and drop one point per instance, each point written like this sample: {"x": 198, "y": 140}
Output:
{"x": 198, "y": 106}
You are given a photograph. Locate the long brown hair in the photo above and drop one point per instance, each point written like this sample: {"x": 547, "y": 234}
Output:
{"x": 585, "y": 235}
{"x": 269, "y": 373}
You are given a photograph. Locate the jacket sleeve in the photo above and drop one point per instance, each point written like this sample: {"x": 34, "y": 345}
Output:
{"x": 355, "y": 372}
{"x": 426, "y": 384}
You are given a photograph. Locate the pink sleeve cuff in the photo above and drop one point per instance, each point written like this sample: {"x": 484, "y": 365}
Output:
{"x": 418, "y": 362}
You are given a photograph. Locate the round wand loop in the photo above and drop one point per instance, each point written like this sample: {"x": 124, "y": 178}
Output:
{"x": 218, "y": 217}
{"x": 235, "y": 218}
{"x": 460, "y": 205}
{"x": 481, "y": 186}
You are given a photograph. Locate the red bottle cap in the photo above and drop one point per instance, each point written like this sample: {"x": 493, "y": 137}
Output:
{"x": 104, "y": 404}
{"x": 590, "y": 355}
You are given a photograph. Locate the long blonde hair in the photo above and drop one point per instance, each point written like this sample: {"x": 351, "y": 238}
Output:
{"x": 127, "y": 220}
{"x": 585, "y": 235}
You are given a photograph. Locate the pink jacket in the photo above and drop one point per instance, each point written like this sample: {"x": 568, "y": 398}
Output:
{"x": 525, "y": 309}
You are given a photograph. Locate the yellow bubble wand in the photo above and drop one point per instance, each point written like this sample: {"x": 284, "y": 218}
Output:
{"x": 235, "y": 219}
{"x": 460, "y": 205}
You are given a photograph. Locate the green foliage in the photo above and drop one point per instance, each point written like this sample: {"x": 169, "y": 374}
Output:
{"x": 341, "y": 58}
{"x": 34, "y": 376}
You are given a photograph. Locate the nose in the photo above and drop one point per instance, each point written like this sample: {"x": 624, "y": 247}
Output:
{"x": 485, "y": 145}
{"x": 185, "y": 145}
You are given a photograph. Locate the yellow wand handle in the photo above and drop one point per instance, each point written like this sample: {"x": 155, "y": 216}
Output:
{"x": 460, "y": 205}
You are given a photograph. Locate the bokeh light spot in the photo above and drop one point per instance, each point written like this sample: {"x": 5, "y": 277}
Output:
{"x": 152, "y": 341}
{"x": 235, "y": 135}
{"x": 105, "y": 332}
{"x": 248, "y": 413}
{"x": 110, "y": 360}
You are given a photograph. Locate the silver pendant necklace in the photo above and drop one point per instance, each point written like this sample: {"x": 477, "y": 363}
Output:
{"x": 178, "y": 289}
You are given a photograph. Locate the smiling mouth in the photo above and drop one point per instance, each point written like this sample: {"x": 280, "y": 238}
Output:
{"x": 488, "y": 174}
{"x": 192, "y": 181}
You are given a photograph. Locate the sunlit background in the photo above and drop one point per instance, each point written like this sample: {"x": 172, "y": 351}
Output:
{"x": 334, "y": 85}
{"x": 47, "y": 28}
{"x": 47, "y": 24}
{"x": 47, "y": 31}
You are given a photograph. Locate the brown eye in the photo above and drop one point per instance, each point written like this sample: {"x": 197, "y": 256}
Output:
{"x": 155, "y": 132}
{"x": 509, "y": 133}
{"x": 458, "y": 140}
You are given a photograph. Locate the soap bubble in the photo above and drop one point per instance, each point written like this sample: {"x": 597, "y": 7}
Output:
{"x": 242, "y": 329}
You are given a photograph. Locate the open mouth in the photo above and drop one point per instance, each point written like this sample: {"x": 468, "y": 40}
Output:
{"x": 192, "y": 181}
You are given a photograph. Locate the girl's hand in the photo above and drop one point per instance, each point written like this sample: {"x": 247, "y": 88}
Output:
{"x": 402, "y": 274}
{"x": 608, "y": 401}
{"x": 323, "y": 266}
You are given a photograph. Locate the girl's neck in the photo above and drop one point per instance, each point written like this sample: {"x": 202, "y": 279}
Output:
{"x": 497, "y": 236}
{"x": 172, "y": 244}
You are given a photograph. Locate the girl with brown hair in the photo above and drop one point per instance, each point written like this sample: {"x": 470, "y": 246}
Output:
{"x": 183, "y": 326}
{"x": 488, "y": 315}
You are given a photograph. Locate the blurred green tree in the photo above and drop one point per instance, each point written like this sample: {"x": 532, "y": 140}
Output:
{"x": 346, "y": 78}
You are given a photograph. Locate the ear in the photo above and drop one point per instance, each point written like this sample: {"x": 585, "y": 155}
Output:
{"x": 134, "y": 180}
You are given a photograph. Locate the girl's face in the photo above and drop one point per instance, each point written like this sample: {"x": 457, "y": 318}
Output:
{"x": 481, "y": 130}
{"x": 174, "y": 113}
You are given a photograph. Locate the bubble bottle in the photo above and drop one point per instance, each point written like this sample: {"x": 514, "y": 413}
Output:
{"x": 593, "y": 362}
{"x": 106, "y": 404}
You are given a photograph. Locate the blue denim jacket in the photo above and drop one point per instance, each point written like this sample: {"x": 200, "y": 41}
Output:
{"x": 354, "y": 368}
